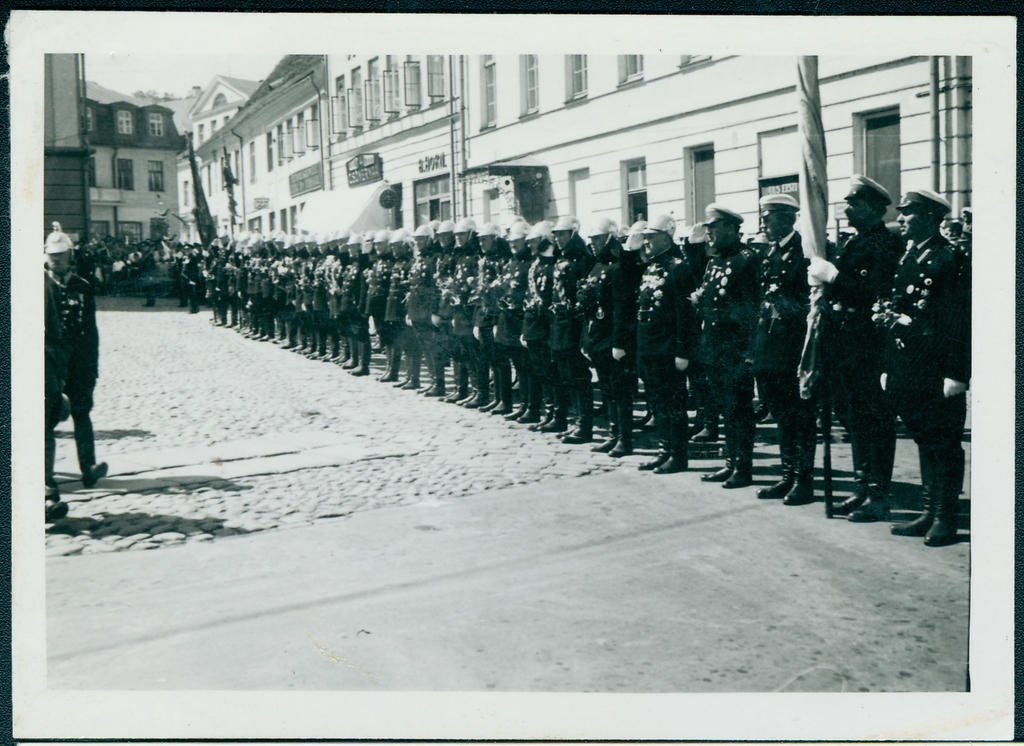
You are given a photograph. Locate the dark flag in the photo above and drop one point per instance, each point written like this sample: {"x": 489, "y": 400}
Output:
{"x": 204, "y": 221}
{"x": 229, "y": 185}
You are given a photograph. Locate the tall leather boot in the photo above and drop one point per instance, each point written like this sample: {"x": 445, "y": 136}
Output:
{"x": 584, "y": 431}
{"x": 391, "y": 365}
{"x": 875, "y": 508}
{"x": 804, "y": 444}
{"x": 943, "y": 530}
{"x": 725, "y": 472}
{"x": 363, "y": 367}
{"x": 482, "y": 385}
{"x": 560, "y": 418}
{"x": 742, "y": 473}
{"x": 503, "y": 389}
{"x": 781, "y": 488}
{"x": 437, "y": 388}
{"x": 414, "y": 362}
{"x": 929, "y": 489}
{"x": 854, "y": 501}
{"x": 623, "y": 413}
{"x": 664, "y": 454}
{"x": 607, "y": 445}
{"x": 678, "y": 435}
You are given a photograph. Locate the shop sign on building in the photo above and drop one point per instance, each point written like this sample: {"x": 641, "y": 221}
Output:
{"x": 365, "y": 168}
{"x": 789, "y": 184}
{"x": 434, "y": 162}
{"x": 261, "y": 203}
{"x": 305, "y": 180}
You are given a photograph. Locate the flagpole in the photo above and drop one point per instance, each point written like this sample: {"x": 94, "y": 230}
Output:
{"x": 814, "y": 214}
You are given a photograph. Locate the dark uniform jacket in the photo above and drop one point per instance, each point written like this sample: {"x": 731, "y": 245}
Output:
{"x": 666, "y": 319}
{"x": 394, "y": 311}
{"x": 728, "y": 307}
{"x": 785, "y": 300}
{"x": 447, "y": 263}
{"x": 536, "y": 319}
{"x": 625, "y": 281}
{"x": 73, "y": 342}
{"x": 489, "y": 284}
{"x": 515, "y": 277}
{"x": 378, "y": 282}
{"x": 927, "y": 319}
{"x": 462, "y": 288}
{"x": 424, "y": 295}
{"x": 866, "y": 264}
{"x": 595, "y": 305}
{"x": 570, "y": 268}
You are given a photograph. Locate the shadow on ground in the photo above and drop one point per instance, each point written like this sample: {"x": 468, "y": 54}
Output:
{"x": 110, "y": 434}
{"x": 71, "y": 484}
{"x": 130, "y": 524}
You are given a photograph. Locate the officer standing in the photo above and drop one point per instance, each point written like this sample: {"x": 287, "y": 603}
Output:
{"x": 508, "y": 350}
{"x": 422, "y": 302}
{"x": 665, "y": 341}
{"x": 778, "y": 345}
{"x": 395, "y": 311}
{"x": 626, "y": 275}
{"x": 595, "y": 306}
{"x": 537, "y": 326}
{"x": 572, "y": 373}
{"x": 441, "y": 317}
{"x": 728, "y": 308}
{"x": 72, "y": 364}
{"x": 495, "y": 252}
{"x": 462, "y": 295}
{"x": 860, "y": 273}
{"x": 926, "y": 370}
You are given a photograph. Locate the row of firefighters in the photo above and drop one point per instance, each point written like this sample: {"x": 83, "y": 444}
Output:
{"x": 557, "y": 307}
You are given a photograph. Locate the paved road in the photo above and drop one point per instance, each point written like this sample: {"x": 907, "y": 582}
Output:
{"x": 320, "y": 531}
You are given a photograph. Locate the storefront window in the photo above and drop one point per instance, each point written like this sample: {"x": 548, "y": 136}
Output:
{"x": 433, "y": 199}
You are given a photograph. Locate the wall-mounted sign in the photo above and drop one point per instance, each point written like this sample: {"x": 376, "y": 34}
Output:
{"x": 388, "y": 199}
{"x": 779, "y": 185}
{"x": 365, "y": 168}
{"x": 306, "y": 179}
{"x": 434, "y": 162}
{"x": 261, "y": 203}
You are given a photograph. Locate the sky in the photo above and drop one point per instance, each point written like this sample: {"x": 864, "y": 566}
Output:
{"x": 127, "y": 72}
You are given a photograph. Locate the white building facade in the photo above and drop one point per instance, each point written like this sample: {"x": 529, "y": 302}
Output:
{"x": 333, "y": 141}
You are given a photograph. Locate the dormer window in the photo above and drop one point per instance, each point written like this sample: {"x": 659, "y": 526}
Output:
{"x": 124, "y": 122}
{"x": 156, "y": 124}
{"x": 219, "y": 100}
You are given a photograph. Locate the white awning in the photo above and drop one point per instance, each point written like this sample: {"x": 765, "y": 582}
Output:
{"x": 355, "y": 209}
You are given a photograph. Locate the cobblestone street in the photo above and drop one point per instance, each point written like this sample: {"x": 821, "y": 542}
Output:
{"x": 210, "y": 434}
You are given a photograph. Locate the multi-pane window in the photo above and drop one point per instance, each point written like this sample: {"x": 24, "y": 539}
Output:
{"x": 530, "y": 83}
{"x": 355, "y": 99}
{"x": 88, "y": 119}
{"x": 201, "y": 131}
{"x": 270, "y": 151}
{"x": 636, "y": 190}
{"x": 700, "y": 177}
{"x": 252, "y": 161}
{"x": 156, "y": 124}
{"x": 435, "y": 76}
{"x": 284, "y": 151}
{"x": 213, "y": 126}
{"x": 124, "y": 122}
{"x": 878, "y": 150}
{"x": 433, "y": 199}
{"x": 185, "y": 193}
{"x": 299, "y": 138}
{"x": 413, "y": 94}
{"x": 372, "y": 101}
{"x": 392, "y": 87}
{"x": 155, "y": 171}
{"x": 272, "y": 217}
{"x": 91, "y": 173}
{"x": 631, "y": 67}
{"x": 130, "y": 230}
{"x": 339, "y": 112}
{"x": 489, "y": 98}
{"x": 125, "y": 174}
{"x": 576, "y": 76}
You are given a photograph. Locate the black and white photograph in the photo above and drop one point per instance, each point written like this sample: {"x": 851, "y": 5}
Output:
{"x": 508, "y": 377}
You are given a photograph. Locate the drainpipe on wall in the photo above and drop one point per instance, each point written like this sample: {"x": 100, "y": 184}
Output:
{"x": 933, "y": 63}
{"x": 451, "y": 133}
{"x": 84, "y": 136}
{"x": 462, "y": 132}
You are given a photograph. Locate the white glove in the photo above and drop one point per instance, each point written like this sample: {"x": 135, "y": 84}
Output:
{"x": 476, "y": 333}
{"x": 883, "y": 380}
{"x": 494, "y": 330}
{"x": 522, "y": 340}
{"x": 682, "y": 364}
{"x": 435, "y": 319}
{"x": 618, "y": 353}
{"x": 821, "y": 270}
{"x": 408, "y": 321}
{"x": 952, "y": 388}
